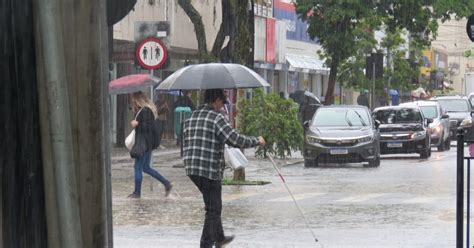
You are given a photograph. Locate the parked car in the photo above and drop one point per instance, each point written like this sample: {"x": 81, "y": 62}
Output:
{"x": 403, "y": 129}
{"x": 439, "y": 128}
{"x": 470, "y": 97}
{"x": 459, "y": 110}
{"x": 341, "y": 134}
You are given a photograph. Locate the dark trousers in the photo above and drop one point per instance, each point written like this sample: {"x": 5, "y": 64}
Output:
{"x": 211, "y": 190}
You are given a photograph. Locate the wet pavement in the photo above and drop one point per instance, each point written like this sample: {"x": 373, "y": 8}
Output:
{"x": 406, "y": 202}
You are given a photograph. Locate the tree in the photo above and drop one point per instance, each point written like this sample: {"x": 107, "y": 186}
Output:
{"x": 337, "y": 24}
{"x": 236, "y": 28}
{"x": 279, "y": 125}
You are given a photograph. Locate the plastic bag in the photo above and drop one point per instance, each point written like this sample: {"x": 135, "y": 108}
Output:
{"x": 235, "y": 158}
{"x": 130, "y": 140}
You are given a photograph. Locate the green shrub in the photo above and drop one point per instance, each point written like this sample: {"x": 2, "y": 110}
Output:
{"x": 275, "y": 119}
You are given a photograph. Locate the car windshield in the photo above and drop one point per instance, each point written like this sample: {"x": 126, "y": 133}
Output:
{"x": 341, "y": 117}
{"x": 429, "y": 111}
{"x": 455, "y": 105}
{"x": 395, "y": 116}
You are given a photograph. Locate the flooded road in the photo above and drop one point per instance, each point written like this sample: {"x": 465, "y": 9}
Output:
{"x": 406, "y": 202}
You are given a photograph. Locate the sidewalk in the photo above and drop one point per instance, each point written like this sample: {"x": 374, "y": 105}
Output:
{"x": 169, "y": 149}
{"x": 176, "y": 221}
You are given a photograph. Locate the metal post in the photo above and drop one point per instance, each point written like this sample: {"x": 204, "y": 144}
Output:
{"x": 468, "y": 196}
{"x": 58, "y": 125}
{"x": 373, "y": 82}
{"x": 459, "y": 187}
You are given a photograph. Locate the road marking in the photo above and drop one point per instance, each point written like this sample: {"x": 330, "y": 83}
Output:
{"x": 298, "y": 197}
{"x": 232, "y": 197}
{"x": 360, "y": 198}
{"x": 420, "y": 200}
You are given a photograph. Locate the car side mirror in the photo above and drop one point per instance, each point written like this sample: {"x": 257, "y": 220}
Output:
{"x": 472, "y": 112}
{"x": 305, "y": 124}
{"x": 377, "y": 123}
{"x": 428, "y": 121}
{"x": 445, "y": 116}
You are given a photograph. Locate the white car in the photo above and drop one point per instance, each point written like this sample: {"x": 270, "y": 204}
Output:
{"x": 439, "y": 128}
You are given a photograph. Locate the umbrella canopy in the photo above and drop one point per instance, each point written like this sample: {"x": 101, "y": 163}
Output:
{"x": 393, "y": 92}
{"x": 418, "y": 92}
{"x": 132, "y": 83}
{"x": 312, "y": 98}
{"x": 213, "y": 76}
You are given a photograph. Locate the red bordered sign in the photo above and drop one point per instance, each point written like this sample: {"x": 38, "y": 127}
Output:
{"x": 151, "y": 53}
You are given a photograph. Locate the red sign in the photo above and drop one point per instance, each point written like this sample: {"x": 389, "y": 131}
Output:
{"x": 151, "y": 53}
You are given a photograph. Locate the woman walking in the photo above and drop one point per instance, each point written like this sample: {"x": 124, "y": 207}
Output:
{"x": 144, "y": 125}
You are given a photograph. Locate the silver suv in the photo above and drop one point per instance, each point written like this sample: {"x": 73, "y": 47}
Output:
{"x": 439, "y": 128}
{"x": 459, "y": 110}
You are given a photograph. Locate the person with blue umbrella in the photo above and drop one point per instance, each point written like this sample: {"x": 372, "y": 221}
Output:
{"x": 395, "y": 96}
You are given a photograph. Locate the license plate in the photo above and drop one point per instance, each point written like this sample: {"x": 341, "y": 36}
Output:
{"x": 394, "y": 144}
{"x": 338, "y": 151}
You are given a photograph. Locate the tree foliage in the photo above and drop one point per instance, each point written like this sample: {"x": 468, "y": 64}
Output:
{"x": 275, "y": 119}
{"x": 342, "y": 26}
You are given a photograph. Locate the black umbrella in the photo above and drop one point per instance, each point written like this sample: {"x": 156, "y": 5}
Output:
{"x": 213, "y": 76}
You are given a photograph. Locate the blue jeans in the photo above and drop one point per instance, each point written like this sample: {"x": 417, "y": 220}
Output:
{"x": 143, "y": 164}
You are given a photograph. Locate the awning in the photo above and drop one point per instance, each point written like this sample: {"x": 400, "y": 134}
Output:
{"x": 306, "y": 64}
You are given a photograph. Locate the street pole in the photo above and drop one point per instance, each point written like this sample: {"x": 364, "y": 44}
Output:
{"x": 459, "y": 187}
{"x": 373, "y": 83}
{"x": 57, "y": 129}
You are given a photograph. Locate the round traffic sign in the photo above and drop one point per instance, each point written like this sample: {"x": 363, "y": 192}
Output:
{"x": 470, "y": 28}
{"x": 151, "y": 53}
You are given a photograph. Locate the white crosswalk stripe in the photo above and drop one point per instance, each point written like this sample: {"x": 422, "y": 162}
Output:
{"x": 298, "y": 197}
{"x": 360, "y": 198}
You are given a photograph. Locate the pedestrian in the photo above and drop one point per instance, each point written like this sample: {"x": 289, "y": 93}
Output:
{"x": 184, "y": 101}
{"x": 363, "y": 98}
{"x": 163, "y": 111}
{"x": 225, "y": 110}
{"x": 205, "y": 134}
{"x": 144, "y": 125}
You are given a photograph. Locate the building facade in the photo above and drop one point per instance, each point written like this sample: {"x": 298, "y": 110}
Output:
{"x": 284, "y": 54}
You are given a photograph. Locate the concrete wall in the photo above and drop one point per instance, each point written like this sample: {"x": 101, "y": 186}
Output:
{"x": 182, "y": 33}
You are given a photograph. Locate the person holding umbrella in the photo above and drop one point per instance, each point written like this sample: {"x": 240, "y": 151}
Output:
{"x": 144, "y": 125}
{"x": 206, "y": 132}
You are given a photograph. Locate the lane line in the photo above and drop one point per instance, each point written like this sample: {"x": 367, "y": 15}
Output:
{"x": 360, "y": 198}
{"x": 298, "y": 197}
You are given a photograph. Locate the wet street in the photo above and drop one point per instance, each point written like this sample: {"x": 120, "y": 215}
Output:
{"x": 406, "y": 202}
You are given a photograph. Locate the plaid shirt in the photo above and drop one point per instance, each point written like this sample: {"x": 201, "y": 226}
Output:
{"x": 205, "y": 134}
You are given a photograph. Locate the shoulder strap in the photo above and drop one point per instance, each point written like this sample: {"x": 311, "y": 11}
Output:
{"x": 138, "y": 113}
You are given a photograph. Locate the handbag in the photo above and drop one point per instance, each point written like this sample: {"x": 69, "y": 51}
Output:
{"x": 130, "y": 140}
{"x": 235, "y": 158}
{"x": 140, "y": 146}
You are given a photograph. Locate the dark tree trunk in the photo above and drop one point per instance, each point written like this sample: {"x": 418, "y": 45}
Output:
{"x": 196, "y": 19}
{"x": 329, "y": 97}
{"x": 22, "y": 203}
{"x": 227, "y": 28}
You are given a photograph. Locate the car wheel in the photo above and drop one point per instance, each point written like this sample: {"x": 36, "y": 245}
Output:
{"x": 447, "y": 144}
{"x": 310, "y": 163}
{"x": 425, "y": 154}
{"x": 374, "y": 162}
